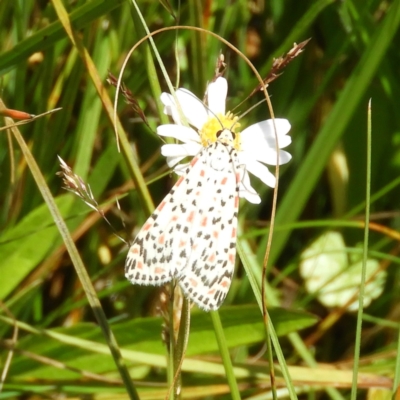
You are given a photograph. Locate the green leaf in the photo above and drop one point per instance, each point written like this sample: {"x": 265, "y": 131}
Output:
{"x": 327, "y": 272}
{"x": 25, "y": 245}
{"x": 242, "y": 325}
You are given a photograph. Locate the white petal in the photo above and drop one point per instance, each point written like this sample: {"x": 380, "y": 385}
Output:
{"x": 181, "y": 168}
{"x": 180, "y": 150}
{"x": 253, "y": 198}
{"x": 182, "y": 133}
{"x": 193, "y": 108}
{"x": 261, "y": 171}
{"x": 172, "y": 161}
{"x": 247, "y": 191}
{"x": 284, "y": 157}
{"x": 216, "y": 95}
{"x": 268, "y": 156}
{"x": 258, "y": 141}
{"x": 175, "y": 153}
{"x": 263, "y": 134}
{"x": 170, "y": 107}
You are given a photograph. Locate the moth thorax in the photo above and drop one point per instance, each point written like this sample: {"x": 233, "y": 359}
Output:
{"x": 221, "y": 157}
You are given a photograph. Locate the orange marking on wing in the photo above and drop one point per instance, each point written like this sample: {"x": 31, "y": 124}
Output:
{"x": 193, "y": 282}
{"x": 190, "y": 218}
{"x": 224, "y": 180}
{"x": 147, "y": 226}
{"x": 134, "y": 250}
{"x": 202, "y": 172}
{"x": 225, "y": 283}
{"x": 139, "y": 265}
{"x": 204, "y": 221}
{"x": 211, "y": 258}
{"x": 194, "y": 161}
{"x": 211, "y": 291}
{"x": 161, "y": 206}
{"x": 215, "y": 234}
{"x": 161, "y": 239}
{"x": 159, "y": 270}
{"x": 237, "y": 177}
{"x": 182, "y": 243}
{"x": 231, "y": 258}
{"x": 233, "y": 233}
{"x": 179, "y": 181}
{"x": 236, "y": 201}
{"x": 174, "y": 218}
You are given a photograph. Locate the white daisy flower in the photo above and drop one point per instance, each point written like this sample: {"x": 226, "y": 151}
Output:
{"x": 255, "y": 144}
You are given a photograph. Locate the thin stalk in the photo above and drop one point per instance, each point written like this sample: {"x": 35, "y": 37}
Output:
{"x": 364, "y": 265}
{"x": 396, "y": 380}
{"x": 181, "y": 346}
{"x": 172, "y": 342}
{"x": 267, "y": 323}
{"x": 282, "y": 362}
{"x": 226, "y": 358}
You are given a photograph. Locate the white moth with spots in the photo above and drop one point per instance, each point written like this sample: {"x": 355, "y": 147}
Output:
{"x": 191, "y": 236}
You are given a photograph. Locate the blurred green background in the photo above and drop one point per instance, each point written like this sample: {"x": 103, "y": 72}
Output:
{"x": 353, "y": 56}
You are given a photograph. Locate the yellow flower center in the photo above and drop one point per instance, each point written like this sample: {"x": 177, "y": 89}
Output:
{"x": 208, "y": 133}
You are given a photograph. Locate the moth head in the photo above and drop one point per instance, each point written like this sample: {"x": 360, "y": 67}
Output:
{"x": 227, "y": 137}
{"x": 221, "y": 128}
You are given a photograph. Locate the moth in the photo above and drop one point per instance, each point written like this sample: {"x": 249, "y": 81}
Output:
{"x": 191, "y": 236}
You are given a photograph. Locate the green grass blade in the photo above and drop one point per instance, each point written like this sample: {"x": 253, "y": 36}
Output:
{"x": 314, "y": 164}
{"x": 224, "y": 352}
{"x": 48, "y": 36}
{"x": 76, "y": 260}
{"x": 357, "y": 346}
